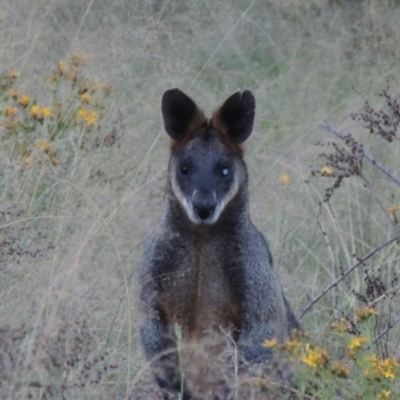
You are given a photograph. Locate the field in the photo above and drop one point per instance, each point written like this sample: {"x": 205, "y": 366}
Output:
{"x": 83, "y": 158}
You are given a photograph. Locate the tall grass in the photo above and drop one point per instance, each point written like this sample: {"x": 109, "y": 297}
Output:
{"x": 73, "y": 215}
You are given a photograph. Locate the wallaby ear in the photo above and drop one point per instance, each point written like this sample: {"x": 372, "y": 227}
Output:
{"x": 180, "y": 114}
{"x": 235, "y": 117}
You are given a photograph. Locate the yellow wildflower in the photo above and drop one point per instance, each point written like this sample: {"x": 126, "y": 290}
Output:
{"x": 371, "y": 370}
{"x": 9, "y": 78}
{"x": 315, "y": 357}
{"x": 36, "y": 112}
{"x": 46, "y": 112}
{"x": 44, "y": 145}
{"x": 285, "y": 179}
{"x": 24, "y": 100}
{"x": 293, "y": 346}
{"x": 381, "y": 368}
{"x": 340, "y": 369}
{"x": 340, "y": 326}
{"x": 365, "y": 313}
{"x": 89, "y": 117}
{"x": 82, "y": 112}
{"x": 387, "y": 367}
{"x": 357, "y": 342}
{"x": 86, "y": 98}
{"x": 94, "y": 116}
{"x": 13, "y": 74}
{"x": 61, "y": 67}
{"x": 384, "y": 395}
{"x": 393, "y": 208}
{"x": 389, "y": 373}
{"x": 78, "y": 58}
{"x": 271, "y": 342}
{"x": 28, "y": 160}
{"x": 14, "y": 93}
{"x": 10, "y": 111}
{"x": 326, "y": 170}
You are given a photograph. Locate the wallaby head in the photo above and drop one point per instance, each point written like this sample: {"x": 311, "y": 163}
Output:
{"x": 206, "y": 169}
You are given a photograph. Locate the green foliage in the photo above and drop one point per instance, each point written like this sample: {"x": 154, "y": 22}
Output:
{"x": 53, "y": 135}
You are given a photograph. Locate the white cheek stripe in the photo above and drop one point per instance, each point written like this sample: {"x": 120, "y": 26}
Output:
{"x": 184, "y": 201}
{"x": 221, "y": 206}
{"x": 188, "y": 206}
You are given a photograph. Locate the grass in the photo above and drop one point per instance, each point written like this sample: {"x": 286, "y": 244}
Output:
{"x": 81, "y": 187}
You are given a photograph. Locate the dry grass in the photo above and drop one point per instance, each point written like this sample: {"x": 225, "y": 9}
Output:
{"x": 70, "y": 236}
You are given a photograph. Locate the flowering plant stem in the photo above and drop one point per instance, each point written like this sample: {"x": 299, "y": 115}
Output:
{"x": 361, "y": 261}
{"x": 365, "y": 154}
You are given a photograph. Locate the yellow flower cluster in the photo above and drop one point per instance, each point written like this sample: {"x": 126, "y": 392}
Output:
{"x": 315, "y": 357}
{"x": 90, "y": 117}
{"x": 86, "y": 98}
{"x": 293, "y": 346}
{"x": 393, "y": 208}
{"x": 72, "y": 71}
{"x": 44, "y": 145}
{"x": 340, "y": 326}
{"x": 365, "y": 313}
{"x": 379, "y": 368}
{"x": 14, "y": 93}
{"x": 375, "y": 376}
{"x": 39, "y": 112}
{"x": 356, "y": 344}
{"x": 340, "y": 369}
{"x": 9, "y": 79}
{"x": 13, "y": 74}
{"x": 384, "y": 395}
{"x": 24, "y": 100}
{"x": 10, "y": 111}
{"x": 77, "y": 101}
{"x": 372, "y": 374}
{"x": 28, "y": 160}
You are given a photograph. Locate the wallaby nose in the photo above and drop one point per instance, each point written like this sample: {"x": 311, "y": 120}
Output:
{"x": 204, "y": 206}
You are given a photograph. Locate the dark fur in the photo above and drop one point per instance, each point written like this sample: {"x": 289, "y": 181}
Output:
{"x": 208, "y": 276}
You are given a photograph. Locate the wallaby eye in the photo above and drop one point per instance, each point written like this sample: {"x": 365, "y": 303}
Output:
{"x": 225, "y": 171}
{"x": 184, "y": 170}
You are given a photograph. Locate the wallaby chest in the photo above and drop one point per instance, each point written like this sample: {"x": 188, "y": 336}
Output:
{"x": 196, "y": 292}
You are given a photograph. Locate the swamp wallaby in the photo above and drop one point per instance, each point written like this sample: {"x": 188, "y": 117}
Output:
{"x": 206, "y": 267}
